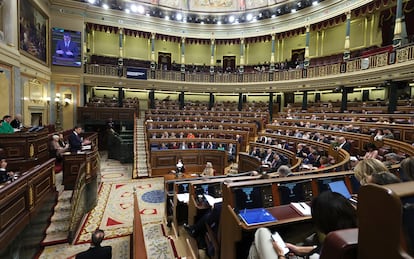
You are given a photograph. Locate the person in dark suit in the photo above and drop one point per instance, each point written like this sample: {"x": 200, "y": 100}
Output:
{"x": 5, "y": 175}
{"x": 75, "y": 141}
{"x": 67, "y": 48}
{"x": 96, "y": 250}
{"x": 344, "y": 144}
{"x": 16, "y": 123}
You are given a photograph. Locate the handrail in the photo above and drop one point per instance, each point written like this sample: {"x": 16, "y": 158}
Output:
{"x": 376, "y": 60}
{"x": 78, "y": 208}
{"x": 139, "y": 248}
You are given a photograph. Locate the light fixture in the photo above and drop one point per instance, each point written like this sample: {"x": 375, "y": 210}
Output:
{"x": 91, "y": 1}
{"x": 141, "y": 9}
{"x": 293, "y": 10}
{"x": 249, "y": 17}
{"x": 167, "y": 17}
{"x": 231, "y": 19}
{"x": 178, "y": 16}
{"x": 314, "y": 3}
{"x": 134, "y": 8}
{"x": 127, "y": 11}
{"x": 105, "y": 6}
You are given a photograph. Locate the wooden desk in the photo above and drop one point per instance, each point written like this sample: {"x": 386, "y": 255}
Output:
{"x": 72, "y": 164}
{"x": 232, "y": 229}
{"x": 20, "y": 200}
{"x": 25, "y": 150}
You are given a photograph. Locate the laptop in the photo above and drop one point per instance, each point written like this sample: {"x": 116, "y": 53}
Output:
{"x": 340, "y": 187}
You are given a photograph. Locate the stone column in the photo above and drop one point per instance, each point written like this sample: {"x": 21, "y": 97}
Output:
{"x": 347, "y": 52}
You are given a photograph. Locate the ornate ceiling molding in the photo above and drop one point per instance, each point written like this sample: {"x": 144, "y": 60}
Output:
{"x": 311, "y": 15}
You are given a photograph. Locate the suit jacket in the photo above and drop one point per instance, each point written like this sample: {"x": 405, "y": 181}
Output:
{"x": 101, "y": 252}
{"x": 346, "y": 146}
{"x": 75, "y": 142}
{"x": 72, "y": 47}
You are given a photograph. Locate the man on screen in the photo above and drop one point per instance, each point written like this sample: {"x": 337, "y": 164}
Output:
{"x": 67, "y": 48}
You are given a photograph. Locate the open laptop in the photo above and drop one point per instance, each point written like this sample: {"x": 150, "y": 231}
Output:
{"x": 340, "y": 187}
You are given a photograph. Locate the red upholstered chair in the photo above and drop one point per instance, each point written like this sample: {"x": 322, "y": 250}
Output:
{"x": 340, "y": 244}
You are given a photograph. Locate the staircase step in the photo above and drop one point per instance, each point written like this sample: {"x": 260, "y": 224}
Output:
{"x": 61, "y": 216}
{"x": 57, "y": 227}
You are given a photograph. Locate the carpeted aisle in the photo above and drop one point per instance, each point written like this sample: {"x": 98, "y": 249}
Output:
{"x": 114, "y": 214}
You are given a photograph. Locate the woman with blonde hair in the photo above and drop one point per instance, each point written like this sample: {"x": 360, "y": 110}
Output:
{"x": 365, "y": 168}
{"x": 208, "y": 170}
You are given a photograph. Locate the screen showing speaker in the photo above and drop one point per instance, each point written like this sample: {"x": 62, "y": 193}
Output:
{"x": 66, "y": 47}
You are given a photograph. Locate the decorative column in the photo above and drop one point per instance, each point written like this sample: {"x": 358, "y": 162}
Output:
{"x": 151, "y": 97}
{"x": 181, "y": 100}
{"x": 240, "y": 104}
{"x": 212, "y": 46}
{"x": 347, "y": 52}
{"x": 183, "y": 59}
{"x": 396, "y": 42}
{"x": 241, "y": 56}
{"x": 344, "y": 102}
{"x": 271, "y": 106}
{"x": 211, "y": 101}
{"x": 121, "y": 53}
{"x": 272, "y": 54}
{"x": 120, "y": 96}
{"x": 306, "y": 61}
{"x": 9, "y": 22}
{"x": 392, "y": 87}
{"x": 153, "y": 55}
{"x": 305, "y": 100}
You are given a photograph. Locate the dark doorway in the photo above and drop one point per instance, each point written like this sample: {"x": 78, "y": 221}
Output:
{"x": 164, "y": 61}
{"x": 229, "y": 64}
{"x": 298, "y": 56}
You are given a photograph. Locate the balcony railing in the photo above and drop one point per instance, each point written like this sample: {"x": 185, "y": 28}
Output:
{"x": 377, "y": 60}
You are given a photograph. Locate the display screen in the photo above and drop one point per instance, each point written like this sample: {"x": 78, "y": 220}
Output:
{"x": 250, "y": 197}
{"x": 295, "y": 191}
{"x": 213, "y": 190}
{"x": 66, "y": 47}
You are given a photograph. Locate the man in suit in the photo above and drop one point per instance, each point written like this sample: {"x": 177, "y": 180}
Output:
{"x": 75, "y": 141}
{"x": 67, "y": 48}
{"x": 96, "y": 250}
{"x": 344, "y": 144}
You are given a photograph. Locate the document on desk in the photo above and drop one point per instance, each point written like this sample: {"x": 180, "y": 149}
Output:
{"x": 302, "y": 208}
{"x": 183, "y": 197}
{"x": 256, "y": 216}
{"x": 211, "y": 200}
{"x": 86, "y": 147}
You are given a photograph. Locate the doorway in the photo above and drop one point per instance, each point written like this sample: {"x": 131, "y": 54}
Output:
{"x": 164, "y": 61}
{"x": 229, "y": 64}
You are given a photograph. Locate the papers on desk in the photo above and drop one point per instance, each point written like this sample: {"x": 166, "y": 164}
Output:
{"x": 211, "y": 200}
{"x": 86, "y": 147}
{"x": 183, "y": 197}
{"x": 256, "y": 216}
{"x": 302, "y": 208}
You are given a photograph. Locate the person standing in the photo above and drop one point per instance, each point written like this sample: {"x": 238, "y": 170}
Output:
{"x": 75, "y": 140}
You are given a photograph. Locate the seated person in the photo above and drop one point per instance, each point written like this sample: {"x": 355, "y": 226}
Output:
{"x": 96, "y": 250}
{"x": 383, "y": 178}
{"x": 371, "y": 151}
{"x": 366, "y": 168}
{"x": 199, "y": 230}
{"x": 56, "y": 149}
{"x": 5, "y": 175}
{"x": 208, "y": 170}
{"x": 179, "y": 167}
{"x": 330, "y": 211}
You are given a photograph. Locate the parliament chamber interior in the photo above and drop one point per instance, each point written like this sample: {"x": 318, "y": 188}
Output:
{"x": 187, "y": 129}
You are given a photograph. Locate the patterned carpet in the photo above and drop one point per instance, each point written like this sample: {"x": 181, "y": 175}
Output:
{"x": 114, "y": 211}
{"x": 114, "y": 214}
